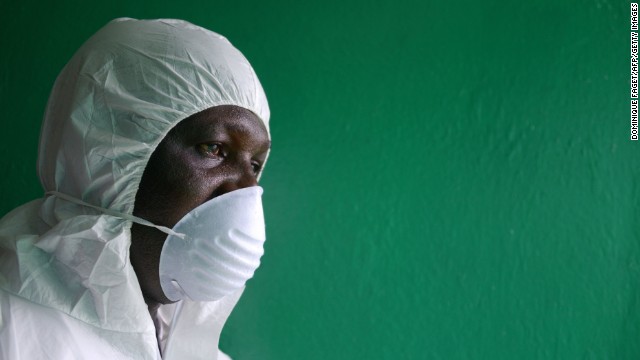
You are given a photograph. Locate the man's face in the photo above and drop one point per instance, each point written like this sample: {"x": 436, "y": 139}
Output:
{"x": 206, "y": 155}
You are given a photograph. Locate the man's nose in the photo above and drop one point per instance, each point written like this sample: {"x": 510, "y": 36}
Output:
{"x": 241, "y": 176}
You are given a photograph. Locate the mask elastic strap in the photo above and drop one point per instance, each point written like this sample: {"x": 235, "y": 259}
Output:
{"x": 117, "y": 214}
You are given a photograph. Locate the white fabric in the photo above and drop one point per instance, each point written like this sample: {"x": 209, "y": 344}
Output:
{"x": 67, "y": 288}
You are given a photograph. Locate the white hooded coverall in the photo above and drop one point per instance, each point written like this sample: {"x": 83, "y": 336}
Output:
{"x": 67, "y": 288}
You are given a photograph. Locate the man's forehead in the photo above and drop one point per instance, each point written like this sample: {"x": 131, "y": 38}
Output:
{"x": 228, "y": 117}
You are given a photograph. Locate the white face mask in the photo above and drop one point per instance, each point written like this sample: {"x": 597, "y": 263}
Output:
{"x": 221, "y": 248}
{"x": 213, "y": 250}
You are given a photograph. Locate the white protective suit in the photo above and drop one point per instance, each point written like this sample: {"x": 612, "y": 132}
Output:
{"x": 67, "y": 288}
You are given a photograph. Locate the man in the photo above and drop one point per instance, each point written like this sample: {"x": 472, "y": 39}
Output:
{"x": 150, "y": 123}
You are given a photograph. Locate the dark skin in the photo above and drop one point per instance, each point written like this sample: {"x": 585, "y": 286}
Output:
{"x": 213, "y": 152}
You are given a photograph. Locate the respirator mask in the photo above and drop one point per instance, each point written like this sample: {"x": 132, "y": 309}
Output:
{"x": 213, "y": 250}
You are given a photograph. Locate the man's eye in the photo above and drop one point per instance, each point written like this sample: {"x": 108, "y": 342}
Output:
{"x": 256, "y": 167}
{"x": 211, "y": 150}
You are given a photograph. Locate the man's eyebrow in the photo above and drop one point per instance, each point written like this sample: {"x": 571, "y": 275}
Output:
{"x": 241, "y": 127}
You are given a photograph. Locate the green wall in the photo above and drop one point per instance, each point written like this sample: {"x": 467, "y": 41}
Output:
{"x": 447, "y": 181}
